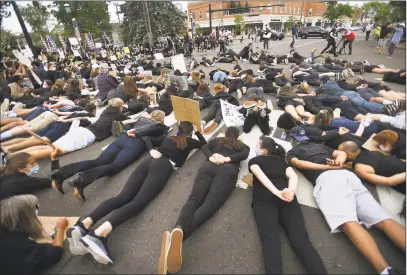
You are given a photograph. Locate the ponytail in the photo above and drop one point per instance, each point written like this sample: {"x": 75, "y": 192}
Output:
{"x": 273, "y": 148}
{"x": 184, "y": 132}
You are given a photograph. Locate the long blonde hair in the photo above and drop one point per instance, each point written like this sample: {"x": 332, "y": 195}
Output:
{"x": 18, "y": 215}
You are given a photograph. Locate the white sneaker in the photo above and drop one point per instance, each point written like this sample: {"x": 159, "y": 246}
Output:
{"x": 239, "y": 94}
{"x": 270, "y": 105}
{"x": 337, "y": 113}
{"x": 345, "y": 74}
{"x": 365, "y": 62}
{"x": 381, "y": 66}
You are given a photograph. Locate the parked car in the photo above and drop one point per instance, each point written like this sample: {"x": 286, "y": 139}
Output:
{"x": 275, "y": 35}
{"x": 312, "y": 31}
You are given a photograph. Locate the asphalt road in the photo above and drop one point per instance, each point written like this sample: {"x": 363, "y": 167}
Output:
{"x": 228, "y": 242}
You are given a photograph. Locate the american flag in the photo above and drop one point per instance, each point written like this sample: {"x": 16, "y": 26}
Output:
{"x": 52, "y": 44}
{"x": 45, "y": 44}
{"x": 76, "y": 29}
{"x": 89, "y": 41}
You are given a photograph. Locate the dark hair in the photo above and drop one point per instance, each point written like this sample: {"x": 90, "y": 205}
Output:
{"x": 177, "y": 72}
{"x": 16, "y": 161}
{"x": 185, "y": 129}
{"x": 203, "y": 88}
{"x": 49, "y": 82}
{"x": 74, "y": 87}
{"x": 273, "y": 148}
{"x": 231, "y": 139}
{"x": 324, "y": 117}
{"x": 287, "y": 122}
{"x": 89, "y": 107}
{"x": 83, "y": 102}
{"x": 146, "y": 98}
{"x": 237, "y": 67}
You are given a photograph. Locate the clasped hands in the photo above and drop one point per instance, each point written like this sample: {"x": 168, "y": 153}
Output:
{"x": 218, "y": 159}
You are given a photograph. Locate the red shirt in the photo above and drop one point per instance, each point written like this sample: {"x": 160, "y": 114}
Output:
{"x": 349, "y": 35}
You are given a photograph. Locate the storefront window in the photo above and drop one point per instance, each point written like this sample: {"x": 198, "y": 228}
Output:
{"x": 200, "y": 15}
{"x": 310, "y": 12}
{"x": 193, "y": 15}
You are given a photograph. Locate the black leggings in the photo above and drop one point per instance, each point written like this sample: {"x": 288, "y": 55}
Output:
{"x": 116, "y": 157}
{"x": 214, "y": 112}
{"x": 143, "y": 185}
{"x": 349, "y": 109}
{"x": 269, "y": 215}
{"x": 313, "y": 105}
{"x": 334, "y": 143}
{"x": 255, "y": 118}
{"x": 331, "y": 42}
{"x": 212, "y": 187}
{"x": 235, "y": 84}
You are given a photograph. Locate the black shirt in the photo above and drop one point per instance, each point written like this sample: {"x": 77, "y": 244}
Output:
{"x": 51, "y": 75}
{"x": 235, "y": 155}
{"x": 383, "y": 165}
{"x": 82, "y": 123}
{"x": 19, "y": 183}
{"x": 312, "y": 152}
{"x": 102, "y": 128}
{"x": 400, "y": 148}
{"x": 384, "y": 31}
{"x": 275, "y": 169}
{"x": 85, "y": 72}
{"x": 20, "y": 255}
{"x": 395, "y": 77}
{"x": 170, "y": 150}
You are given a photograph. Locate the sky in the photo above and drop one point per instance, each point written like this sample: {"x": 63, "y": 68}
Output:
{"x": 11, "y": 23}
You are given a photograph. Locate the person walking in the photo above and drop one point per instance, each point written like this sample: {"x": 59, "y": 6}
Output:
{"x": 331, "y": 41}
{"x": 294, "y": 32}
{"x": 398, "y": 34}
{"x": 368, "y": 30}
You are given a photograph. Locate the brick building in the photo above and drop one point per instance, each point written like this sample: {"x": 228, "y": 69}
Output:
{"x": 277, "y": 18}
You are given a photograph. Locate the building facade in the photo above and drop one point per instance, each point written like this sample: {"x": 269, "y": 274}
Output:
{"x": 274, "y": 17}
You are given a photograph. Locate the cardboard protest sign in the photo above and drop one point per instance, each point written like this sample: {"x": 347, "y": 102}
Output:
{"x": 178, "y": 63}
{"x": 186, "y": 109}
{"x": 126, "y": 50}
{"x": 48, "y": 223}
{"x": 231, "y": 115}
{"x": 159, "y": 56}
{"x": 180, "y": 81}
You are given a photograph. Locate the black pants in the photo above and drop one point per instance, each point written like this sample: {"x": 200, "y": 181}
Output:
{"x": 255, "y": 118}
{"x": 212, "y": 187}
{"x": 334, "y": 143}
{"x": 269, "y": 216}
{"x": 116, "y": 157}
{"x": 367, "y": 35}
{"x": 235, "y": 84}
{"x": 214, "y": 112}
{"x": 225, "y": 60}
{"x": 331, "y": 42}
{"x": 349, "y": 109}
{"x": 266, "y": 44}
{"x": 143, "y": 185}
{"x": 222, "y": 47}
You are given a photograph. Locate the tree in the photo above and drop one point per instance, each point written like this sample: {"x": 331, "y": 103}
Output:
{"x": 397, "y": 10}
{"x": 4, "y": 10}
{"x": 336, "y": 11}
{"x": 165, "y": 20}
{"x": 92, "y": 16}
{"x": 198, "y": 29}
{"x": 292, "y": 20}
{"x": 36, "y": 15}
{"x": 8, "y": 40}
{"x": 240, "y": 24}
{"x": 379, "y": 11}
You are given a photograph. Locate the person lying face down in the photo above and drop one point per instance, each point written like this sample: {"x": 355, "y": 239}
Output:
{"x": 375, "y": 167}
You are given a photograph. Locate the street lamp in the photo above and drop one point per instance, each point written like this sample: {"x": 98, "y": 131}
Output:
{"x": 67, "y": 8}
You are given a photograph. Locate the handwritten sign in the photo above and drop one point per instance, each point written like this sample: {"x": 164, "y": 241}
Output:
{"x": 186, "y": 109}
{"x": 48, "y": 224}
{"x": 231, "y": 115}
{"x": 178, "y": 63}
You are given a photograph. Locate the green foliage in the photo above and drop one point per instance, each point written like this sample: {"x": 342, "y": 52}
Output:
{"x": 8, "y": 40}
{"x": 379, "y": 11}
{"x": 336, "y": 11}
{"x": 397, "y": 11}
{"x": 291, "y": 22}
{"x": 165, "y": 20}
{"x": 36, "y": 15}
{"x": 92, "y": 16}
{"x": 198, "y": 29}
{"x": 240, "y": 24}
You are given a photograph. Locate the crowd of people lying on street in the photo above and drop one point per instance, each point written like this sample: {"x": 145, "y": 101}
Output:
{"x": 327, "y": 119}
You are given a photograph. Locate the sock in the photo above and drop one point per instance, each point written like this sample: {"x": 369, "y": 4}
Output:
{"x": 386, "y": 271}
{"x": 6, "y": 134}
{"x": 387, "y": 101}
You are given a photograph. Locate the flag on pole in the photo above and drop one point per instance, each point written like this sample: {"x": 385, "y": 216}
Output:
{"x": 52, "y": 43}
{"x": 45, "y": 44}
{"x": 76, "y": 29}
{"x": 89, "y": 41}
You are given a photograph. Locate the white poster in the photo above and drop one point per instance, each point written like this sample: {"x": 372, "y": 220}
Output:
{"x": 74, "y": 46}
{"x": 231, "y": 115}
{"x": 113, "y": 58}
{"x": 22, "y": 58}
{"x": 178, "y": 63}
{"x": 98, "y": 45}
{"x": 159, "y": 56}
{"x": 27, "y": 52}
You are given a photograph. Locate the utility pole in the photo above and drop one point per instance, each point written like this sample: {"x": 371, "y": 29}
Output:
{"x": 24, "y": 28}
{"x": 221, "y": 18}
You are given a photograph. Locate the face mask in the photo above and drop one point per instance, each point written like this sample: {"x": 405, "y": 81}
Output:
{"x": 258, "y": 152}
{"x": 33, "y": 170}
{"x": 384, "y": 149}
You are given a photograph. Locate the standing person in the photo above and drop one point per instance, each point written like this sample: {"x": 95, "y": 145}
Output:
{"x": 294, "y": 33}
{"x": 398, "y": 34}
{"x": 331, "y": 41}
{"x": 266, "y": 38}
{"x": 143, "y": 185}
{"x": 383, "y": 37}
{"x": 349, "y": 37}
{"x": 213, "y": 184}
{"x": 274, "y": 204}
{"x": 222, "y": 41}
{"x": 213, "y": 40}
{"x": 368, "y": 30}
{"x": 259, "y": 34}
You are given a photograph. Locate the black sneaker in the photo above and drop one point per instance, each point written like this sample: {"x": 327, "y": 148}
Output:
{"x": 97, "y": 246}
{"x": 57, "y": 180}
{"x": 74, "y": 235}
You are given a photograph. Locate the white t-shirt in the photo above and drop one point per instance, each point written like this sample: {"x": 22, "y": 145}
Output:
{"x": 369, "y": 27}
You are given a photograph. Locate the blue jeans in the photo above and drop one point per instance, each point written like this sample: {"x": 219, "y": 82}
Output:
{"x": 353, "y": 126}
{"x": 373, "y": 107}
{"x": 34, "y": 113}
{"x": 219, "y": 77}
